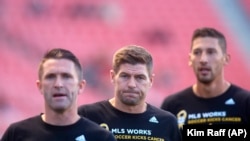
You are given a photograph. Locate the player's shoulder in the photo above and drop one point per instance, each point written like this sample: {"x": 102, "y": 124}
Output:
{"x": 31, "y": 121}
{"x": 159, "y": 112}
{"x": 94, "y": 105}
{"x": 240, "y": 90}
{"x": 186, "y": 92}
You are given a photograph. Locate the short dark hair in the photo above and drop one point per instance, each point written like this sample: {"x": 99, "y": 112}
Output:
{"x": 59, "y": 53}
{"x": 210, "y": 32}
{"x": 132, "y": 54}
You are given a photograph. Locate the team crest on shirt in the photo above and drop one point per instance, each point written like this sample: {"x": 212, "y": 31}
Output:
{"x": 105, "y": 126}
{"x": 181, "y": 117}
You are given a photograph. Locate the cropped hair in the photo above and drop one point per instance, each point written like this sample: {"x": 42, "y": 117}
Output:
{"x": 132, "y": 54}
{"x": 213, "y": 33}
{"x": 59, "y": 53}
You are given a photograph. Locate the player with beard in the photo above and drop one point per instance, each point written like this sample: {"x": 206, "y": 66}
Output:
{"x": 127, "y": 115}
{"x": 212, "y": 99}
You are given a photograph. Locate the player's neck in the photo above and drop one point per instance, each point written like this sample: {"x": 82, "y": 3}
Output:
{"x": 128, "y": 109}
{"x": 210, "y": 90}
{"x": 66, "y": 118}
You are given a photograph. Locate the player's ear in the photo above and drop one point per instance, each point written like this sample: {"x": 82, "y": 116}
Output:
{"x": 189, "y": 59}
{"x": 82, "y": 85}
{"x": 227, "y": 59}
{"x": 112, "y": 76}
{"x": 152, "y": 78}
{"x": 39, "y": 85}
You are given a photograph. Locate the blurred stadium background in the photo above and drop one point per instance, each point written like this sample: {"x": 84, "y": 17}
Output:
{"x": 94, "y": 29}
